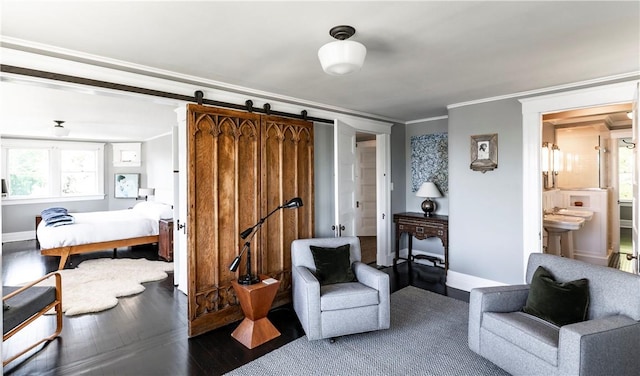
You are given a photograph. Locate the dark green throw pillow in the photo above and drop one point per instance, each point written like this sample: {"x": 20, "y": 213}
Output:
{"x": 332, "y": 264}
{"x": 560, "y": 303}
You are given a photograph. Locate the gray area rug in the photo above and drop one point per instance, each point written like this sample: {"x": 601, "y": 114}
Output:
{"x": 428, "y": 336}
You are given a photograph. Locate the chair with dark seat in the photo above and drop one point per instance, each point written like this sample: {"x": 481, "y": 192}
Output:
{"x": 342, "y": 308}
{"x": 24, "y": 304}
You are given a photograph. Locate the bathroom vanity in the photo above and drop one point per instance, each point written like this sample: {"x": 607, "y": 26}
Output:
{"x": 591, "y": 242}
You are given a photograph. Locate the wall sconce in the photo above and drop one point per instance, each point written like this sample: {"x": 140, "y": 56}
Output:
{"x": 144, "y": 193}
{"x": 545, "y": 164}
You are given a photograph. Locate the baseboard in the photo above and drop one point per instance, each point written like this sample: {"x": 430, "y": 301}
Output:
{"x": 459, "y": 281}
{"x": 591, "y": 259}
{"x": 466, "y": 282}
{"x": 18, "y": 236}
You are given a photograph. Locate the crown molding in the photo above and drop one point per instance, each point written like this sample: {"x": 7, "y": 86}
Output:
{"x": 608, "y": 79}
{"x": 426, "y": 119}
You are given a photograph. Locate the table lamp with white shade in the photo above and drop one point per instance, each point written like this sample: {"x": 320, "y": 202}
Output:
{"x": 429, "y": 191}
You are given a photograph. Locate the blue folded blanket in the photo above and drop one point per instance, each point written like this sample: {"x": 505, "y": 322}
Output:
{"x": 54, "y": 217}
{"x": 49, "y": 213}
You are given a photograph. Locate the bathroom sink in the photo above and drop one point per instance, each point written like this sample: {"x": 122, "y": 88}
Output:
{"x": 586, "y": 214}
{"x": 561, "y": 223}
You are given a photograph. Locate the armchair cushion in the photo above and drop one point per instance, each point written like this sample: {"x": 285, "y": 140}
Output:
{"x": 25, "y": 304}
{"x": 332, "y": 264}
{"x": 346, "y": 296}
{"x": 560, "y": 303}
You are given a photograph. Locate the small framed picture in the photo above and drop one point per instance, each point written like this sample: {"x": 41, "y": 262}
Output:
{"x": 484, "y": 152}
{"x": 126, "y": 185}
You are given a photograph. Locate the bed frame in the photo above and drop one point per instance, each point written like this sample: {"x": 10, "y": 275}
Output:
{"x": 65, "y": 252}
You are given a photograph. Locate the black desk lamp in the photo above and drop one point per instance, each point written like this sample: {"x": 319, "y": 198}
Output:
{"x": 249, "y": 278}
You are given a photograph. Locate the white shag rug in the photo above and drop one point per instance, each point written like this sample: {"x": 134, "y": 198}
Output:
{"x": 96, "y": 285}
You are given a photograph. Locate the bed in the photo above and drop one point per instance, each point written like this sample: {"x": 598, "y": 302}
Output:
{"x": 98, "y": 231}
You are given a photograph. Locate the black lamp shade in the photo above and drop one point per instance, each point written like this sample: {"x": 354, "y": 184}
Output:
{"x": 234, "y": 264}
{"x": 295, "y": 202}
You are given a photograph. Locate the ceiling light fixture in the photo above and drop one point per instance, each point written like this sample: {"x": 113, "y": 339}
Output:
{"x": 342, "y": 56}
{"x": 58, "y": 130}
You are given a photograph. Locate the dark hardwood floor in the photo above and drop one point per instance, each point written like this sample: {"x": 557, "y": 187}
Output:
{"x": 146, "y": 334}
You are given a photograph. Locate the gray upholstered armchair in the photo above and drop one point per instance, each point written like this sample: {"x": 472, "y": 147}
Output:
{"x": 605, "y": 344}
{"x": 338, "y": 309}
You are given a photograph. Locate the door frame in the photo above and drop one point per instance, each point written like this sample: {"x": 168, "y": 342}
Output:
{"x": 532, "y": 111}
{"x": 383, "y": 181}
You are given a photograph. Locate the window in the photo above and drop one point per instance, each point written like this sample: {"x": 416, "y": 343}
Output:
{"x": 39, "y": 171}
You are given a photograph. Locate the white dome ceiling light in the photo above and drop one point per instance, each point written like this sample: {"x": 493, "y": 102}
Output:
{"x": 58, "y": 130}
{"x": 342, "y": 56}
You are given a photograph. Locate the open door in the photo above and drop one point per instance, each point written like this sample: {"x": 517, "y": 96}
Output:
{"x": 636, "y": 175}
{"x": 366, "y": 189}
{"x": 345, "y": 182}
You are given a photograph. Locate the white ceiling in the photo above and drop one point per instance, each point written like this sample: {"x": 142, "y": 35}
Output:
{"x": 422, "y": 55}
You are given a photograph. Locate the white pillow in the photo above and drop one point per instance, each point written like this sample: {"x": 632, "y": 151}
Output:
{"x": 155, "y": 210}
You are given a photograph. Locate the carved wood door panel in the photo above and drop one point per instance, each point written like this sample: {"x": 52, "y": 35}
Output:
{"x": 240, "y": 167}
{"x": 223, "y": 195}
{"x": 287, "y": 165}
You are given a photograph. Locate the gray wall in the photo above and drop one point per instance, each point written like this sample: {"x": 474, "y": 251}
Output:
{"x": 20, "y": 218}
{"x": 428, "y": 127}
{"x": 413, "y": 203}
{"x": 324, "y": 179}
{"x": 158, "y": 163}
{"x": 485, "y": 209}
{"x": 398, "y": 173}
{"x": 121, "y": 203}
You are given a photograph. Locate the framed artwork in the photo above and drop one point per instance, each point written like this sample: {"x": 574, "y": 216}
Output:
{"x": 126, "y": 185}
{"x": 484, "y": 152}
{"x": 430, "y": 161}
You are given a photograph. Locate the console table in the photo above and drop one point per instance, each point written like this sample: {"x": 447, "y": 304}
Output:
{"x": 421, "y": 227}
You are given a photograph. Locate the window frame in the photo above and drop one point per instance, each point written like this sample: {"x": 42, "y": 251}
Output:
{"x": 55, "y": 168}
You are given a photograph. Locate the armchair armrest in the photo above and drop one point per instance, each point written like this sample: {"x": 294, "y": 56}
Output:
{"x": 597, "y": 347}
{"x": 371, "y": 277}
{"x": 492, "y": 299}
{"x": 306, "y": 300}
{"x": 378, "y": 280}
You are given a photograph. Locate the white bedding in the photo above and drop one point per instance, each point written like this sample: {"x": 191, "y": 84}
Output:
{"x": 94, "y": 227}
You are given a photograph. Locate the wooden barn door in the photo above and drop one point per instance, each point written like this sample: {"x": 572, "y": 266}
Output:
{"x": 224, "y": 197}
{"x": 287, "y": 172}
{"x": 240, "y": 167}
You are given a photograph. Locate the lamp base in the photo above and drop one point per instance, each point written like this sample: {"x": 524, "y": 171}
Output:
{"x": 248, "y": 279}
{"x": 428, "y": 206}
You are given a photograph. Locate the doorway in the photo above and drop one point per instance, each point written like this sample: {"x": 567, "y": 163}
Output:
{"x": 583, "y": 162}
{"x": 532, "y": 111}
{"x": 366, "y": 196}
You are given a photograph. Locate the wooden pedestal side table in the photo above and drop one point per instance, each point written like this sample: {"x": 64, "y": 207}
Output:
{"x": 256, "y": 301}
